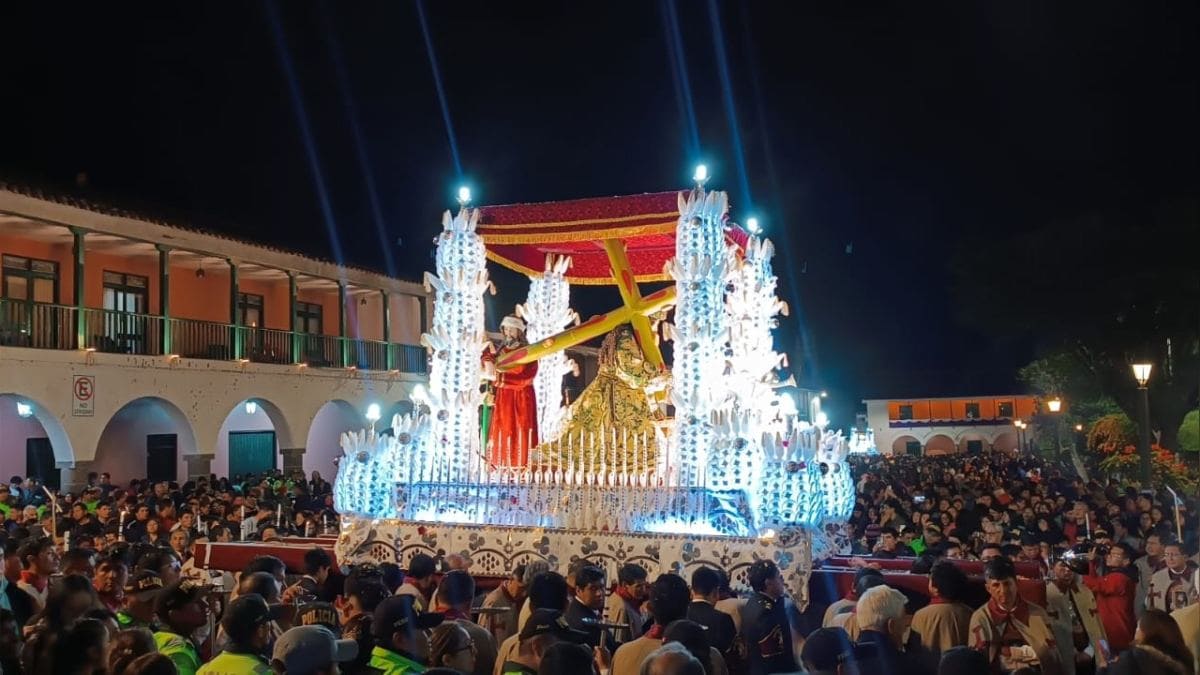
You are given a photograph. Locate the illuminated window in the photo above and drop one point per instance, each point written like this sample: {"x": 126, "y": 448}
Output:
{"x": 906, "y": 412}
{"x": 972, "y": 411}
{"x": 1004, "y": 409}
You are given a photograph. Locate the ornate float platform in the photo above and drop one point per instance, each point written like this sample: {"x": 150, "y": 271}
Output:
{"x": 496, "y": 550}
{"x": 702, "y": 462}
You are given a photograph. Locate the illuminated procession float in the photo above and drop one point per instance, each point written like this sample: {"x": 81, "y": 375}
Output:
{"x": 700, "y": 462}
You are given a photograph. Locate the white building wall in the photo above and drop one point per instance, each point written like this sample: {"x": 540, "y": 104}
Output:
{"x": 204, "y": 391}
{"x": 14, "y": 430}
{"x": 1003, "y": 436}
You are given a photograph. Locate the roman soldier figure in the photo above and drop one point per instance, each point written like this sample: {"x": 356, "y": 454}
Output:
{"x": 513, "y": 430}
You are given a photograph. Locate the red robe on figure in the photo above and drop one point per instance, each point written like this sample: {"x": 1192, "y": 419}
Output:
{"x": 513, "y": 429}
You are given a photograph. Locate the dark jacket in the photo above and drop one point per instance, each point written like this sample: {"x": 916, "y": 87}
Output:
{"x": 581, "y": 617}
{"x": 884, "y": 658}
{"x": 21, "y": 603}
{"x": 721, "y": 630}
{"x": 768, "y": 636}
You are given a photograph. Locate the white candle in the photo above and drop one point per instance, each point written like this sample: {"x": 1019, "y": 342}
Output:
{"x": 121, "y": 527}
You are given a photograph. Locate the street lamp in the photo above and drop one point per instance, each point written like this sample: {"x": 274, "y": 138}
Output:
{"x": 1055, "y": 405}
{"x": 1141, "y": 373}
{"x": 1020, "y": 425}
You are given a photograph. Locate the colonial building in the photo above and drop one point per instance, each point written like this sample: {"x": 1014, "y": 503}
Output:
{"x": 938, "y": 426}
{"x": 143, "y": 348}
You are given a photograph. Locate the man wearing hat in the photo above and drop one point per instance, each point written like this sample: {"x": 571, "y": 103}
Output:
{"x": 401, "y": 646}
{"x": 140, "y": 593}
{"x": 311, "y": 650}
{"x": 183, "y": 609}
{"x": 513, "y": 429}
{"x": 544, "y": 629}
{"x": 319, "y": 614}
{"x": 247, "y": 622}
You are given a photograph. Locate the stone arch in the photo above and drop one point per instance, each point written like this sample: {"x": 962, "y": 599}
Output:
{"x": 940, "y": 444}
{"x": 15, "y": 430}
{"x": 1005, "y": 441}
{"x": 401, "y": 407}
{"x": 965, "y": 438}
{"x": 323, "y": 444}
{"x": 253, "y": 414}
{"x": 124, "y": 446}
{"x": 900, "y": 444}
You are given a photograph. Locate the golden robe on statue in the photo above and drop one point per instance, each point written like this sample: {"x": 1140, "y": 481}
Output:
{"x": 618, "y": 403}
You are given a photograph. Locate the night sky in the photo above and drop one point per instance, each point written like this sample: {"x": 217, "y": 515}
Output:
{"x": 872, "y": 140}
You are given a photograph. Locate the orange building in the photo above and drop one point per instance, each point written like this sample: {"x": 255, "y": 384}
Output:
{"x": 145, "y": 348}
{"x": 937, "y": 426}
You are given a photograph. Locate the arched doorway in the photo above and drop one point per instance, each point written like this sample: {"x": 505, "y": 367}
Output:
{"x": 250, "y": 438}
{"x": 940, "y": 444}
{"x": 32, "y": 440}
{"x": 401, "y": 408}
{"x": 1005, "y": 442}
{"x": 146, "y": 438}
{"x": 906, "y": 445}
{"x": 323, "y": 445}
{"x": 972, "y": 443}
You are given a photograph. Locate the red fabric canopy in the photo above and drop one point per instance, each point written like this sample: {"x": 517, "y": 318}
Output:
{"x": 519, "y": 236}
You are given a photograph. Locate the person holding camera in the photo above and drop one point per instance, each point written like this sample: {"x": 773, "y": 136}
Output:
{"x": 1072, "y": 607}
{"x": 1112, "y": 578}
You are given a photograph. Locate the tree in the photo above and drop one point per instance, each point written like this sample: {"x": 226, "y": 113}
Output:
{"x": 1100, "y": 293}
{"x": 1112, "y": 430}
{"x": 1189, "y": 432}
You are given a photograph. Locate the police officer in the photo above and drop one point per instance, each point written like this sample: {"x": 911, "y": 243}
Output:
{"x": 765, "y": 622}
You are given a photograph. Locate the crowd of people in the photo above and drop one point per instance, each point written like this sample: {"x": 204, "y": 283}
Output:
{"x": 1118, "y": 564}
{"x": 104, "y": 582}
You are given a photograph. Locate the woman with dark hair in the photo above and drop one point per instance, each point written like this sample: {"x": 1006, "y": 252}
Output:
{"x": 88, "y": 640}
{"x": 1158, "y": 648}
{"x": 127, "y": 646}
{"x": 451, "y": 646}
{"x": 67, "y": 602}
{"x": 692, "y": 636}
{"x": 154, "y": 535}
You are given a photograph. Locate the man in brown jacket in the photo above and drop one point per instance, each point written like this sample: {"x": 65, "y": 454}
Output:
{"x": 1013, "y": 633}
{"x": 945, "y": 621}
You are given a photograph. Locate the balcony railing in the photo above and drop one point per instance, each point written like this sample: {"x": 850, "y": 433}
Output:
{"x": 47, "y": 326}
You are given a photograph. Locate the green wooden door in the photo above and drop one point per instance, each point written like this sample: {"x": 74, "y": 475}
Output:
{"x": 251, "y": 452}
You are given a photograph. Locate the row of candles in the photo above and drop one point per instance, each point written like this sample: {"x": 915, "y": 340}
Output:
{"x": 604, "y": 457}
{"x": 593, "y": 507}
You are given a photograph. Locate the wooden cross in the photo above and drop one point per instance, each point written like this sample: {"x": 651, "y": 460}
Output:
{"x": 636, "y": 311}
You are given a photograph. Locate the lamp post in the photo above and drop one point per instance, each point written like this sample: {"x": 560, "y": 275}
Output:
{"x": 1020, "y": 425}
{"x": 1054, "y": 405}
{"x": 1141, "y": 373}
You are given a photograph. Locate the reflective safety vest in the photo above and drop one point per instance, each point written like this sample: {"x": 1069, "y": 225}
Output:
{"x": 391, "y": 663}
{"x": 180, "y": 650}
{"x": 231, "y": 663}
